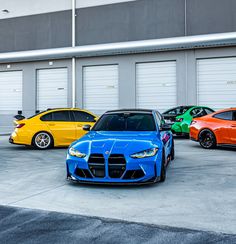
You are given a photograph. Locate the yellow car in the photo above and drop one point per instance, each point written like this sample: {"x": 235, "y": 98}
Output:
{"x": 52, "y": 128}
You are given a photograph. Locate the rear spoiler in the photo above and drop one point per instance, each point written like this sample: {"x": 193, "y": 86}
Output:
{"x": 19, "y": 117}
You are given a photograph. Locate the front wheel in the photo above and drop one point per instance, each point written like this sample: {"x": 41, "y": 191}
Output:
{"x": 163, "y": 169}
{"x": 207, "y": 139}
{"x": 42, "y": 140}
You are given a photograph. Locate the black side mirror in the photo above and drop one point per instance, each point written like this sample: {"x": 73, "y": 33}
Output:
{"x": 87, "y": 127}
{"x": 165, "y": 127}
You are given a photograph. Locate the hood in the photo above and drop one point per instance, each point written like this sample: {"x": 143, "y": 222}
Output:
{"x": 117, "y": 142}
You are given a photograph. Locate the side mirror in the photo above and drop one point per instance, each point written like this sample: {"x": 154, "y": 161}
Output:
{"x": 165, "y": 127}
{"x": 87, "y": 127}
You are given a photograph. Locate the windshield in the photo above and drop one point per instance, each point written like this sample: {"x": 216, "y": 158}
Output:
{"x": 177, "y": 111}
{"x": 125, "y": 122}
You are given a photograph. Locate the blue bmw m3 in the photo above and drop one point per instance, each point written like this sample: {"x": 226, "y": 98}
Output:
{"x": 124, "y": 147}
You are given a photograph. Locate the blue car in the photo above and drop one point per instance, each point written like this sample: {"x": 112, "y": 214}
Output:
{"x": 123, "y": 147}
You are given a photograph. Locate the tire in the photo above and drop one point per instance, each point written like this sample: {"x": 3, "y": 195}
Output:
{"x": 172, "y": 153}
{"x": 42, "y": 140}
{"x": 163, "y": 169}
{"x": 207, "y": 139}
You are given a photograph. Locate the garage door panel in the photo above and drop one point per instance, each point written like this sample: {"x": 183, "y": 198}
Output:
{"x": 156, "y": 85}
{"x": 52, "y": 88}
{"x": 11, "y": 91}
{"x": 100, "y": 85}
{"x": 216, "y": 80}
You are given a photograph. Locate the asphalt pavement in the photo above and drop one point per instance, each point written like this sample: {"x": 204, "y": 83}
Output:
{"x": 27, "y": 226}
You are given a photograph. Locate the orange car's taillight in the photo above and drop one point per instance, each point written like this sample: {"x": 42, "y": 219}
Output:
{"x": 19, "y": 126}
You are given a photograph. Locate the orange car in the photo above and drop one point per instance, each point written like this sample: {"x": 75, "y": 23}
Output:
{"x": 216, "y": 129}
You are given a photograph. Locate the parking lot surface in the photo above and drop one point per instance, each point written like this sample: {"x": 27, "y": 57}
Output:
{"x": 199, "y": 192}
{"x": 36, "y": 226}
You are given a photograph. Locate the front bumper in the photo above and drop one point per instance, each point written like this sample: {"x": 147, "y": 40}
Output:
{"x": 111, "y": 183}
{"x": 135, "y": 172}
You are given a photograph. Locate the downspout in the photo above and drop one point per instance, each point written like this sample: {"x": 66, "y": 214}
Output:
{"x": 73, "y": 66}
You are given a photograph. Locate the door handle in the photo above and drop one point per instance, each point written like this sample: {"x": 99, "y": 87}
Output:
{"x": 79, "y": 125}
{"x": 233, "y": 126}
{"x": 51, "y": 124}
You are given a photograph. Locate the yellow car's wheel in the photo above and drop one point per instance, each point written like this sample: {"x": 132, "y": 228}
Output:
{"x": 42, "y": 140}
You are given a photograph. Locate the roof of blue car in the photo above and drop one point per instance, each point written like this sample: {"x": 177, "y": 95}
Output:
{"x": 130, "y": 111}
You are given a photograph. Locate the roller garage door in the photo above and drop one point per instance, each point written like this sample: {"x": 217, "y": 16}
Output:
{"x": 11, "y": 91}
{"x": 10, "y": 98}
{"x": 52, "y": 88}
{"x": 156, "y": 85}
{"x": 100, "y": 88}
{"x": 217, "y": 82}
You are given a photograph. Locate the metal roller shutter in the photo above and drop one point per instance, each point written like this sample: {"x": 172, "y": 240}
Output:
{"x": 156, "y": 85}
{"x": 216, "y": 80}
{"x": 52, "y": 88}
{"x": 11, "y": 91}
{"x": 100, "y": 88}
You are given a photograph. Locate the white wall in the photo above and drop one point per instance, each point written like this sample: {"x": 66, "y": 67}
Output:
{"x": 30, "y": 7}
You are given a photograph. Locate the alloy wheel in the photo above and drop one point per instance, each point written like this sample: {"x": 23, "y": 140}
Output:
{"x": 207, "y": 140}
{"x": 42, "y": 140}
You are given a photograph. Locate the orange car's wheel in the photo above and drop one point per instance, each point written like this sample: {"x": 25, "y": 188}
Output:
{"x": 207, "y": 139}
{"x": 42, "y": 140}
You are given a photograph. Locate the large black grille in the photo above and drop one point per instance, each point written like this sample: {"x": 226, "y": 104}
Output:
{"x": 96, "y": 164}
{"x": 116, "y": 165}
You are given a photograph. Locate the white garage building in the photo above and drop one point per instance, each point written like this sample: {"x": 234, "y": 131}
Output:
{"x": 55, "y": 55}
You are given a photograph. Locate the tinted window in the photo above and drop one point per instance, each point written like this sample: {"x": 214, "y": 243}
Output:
{"x": 234, "y": 115}
{"x": 225, "y": 115}
{"x": 126, "y": 122}
{"x": 83, "y": 117}
{"x": 47, "y": 117}
{"x": 177, "y": 111}
{"x": 198, "y": 112}
{"x": 61, "y": 116}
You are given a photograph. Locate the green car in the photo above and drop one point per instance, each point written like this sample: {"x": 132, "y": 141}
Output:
{"x": 181, "y": 117}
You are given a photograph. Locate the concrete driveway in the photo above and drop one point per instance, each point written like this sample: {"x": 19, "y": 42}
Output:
{"x": 199, "y": 193}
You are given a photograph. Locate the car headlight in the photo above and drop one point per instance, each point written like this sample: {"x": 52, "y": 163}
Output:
{"x": 145, "y": 154}
{"x": 76, "y": 153}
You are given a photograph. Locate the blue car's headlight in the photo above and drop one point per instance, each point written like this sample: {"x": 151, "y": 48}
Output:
{"x": 76, "y": 153}
{"x": 145, "y": 154}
